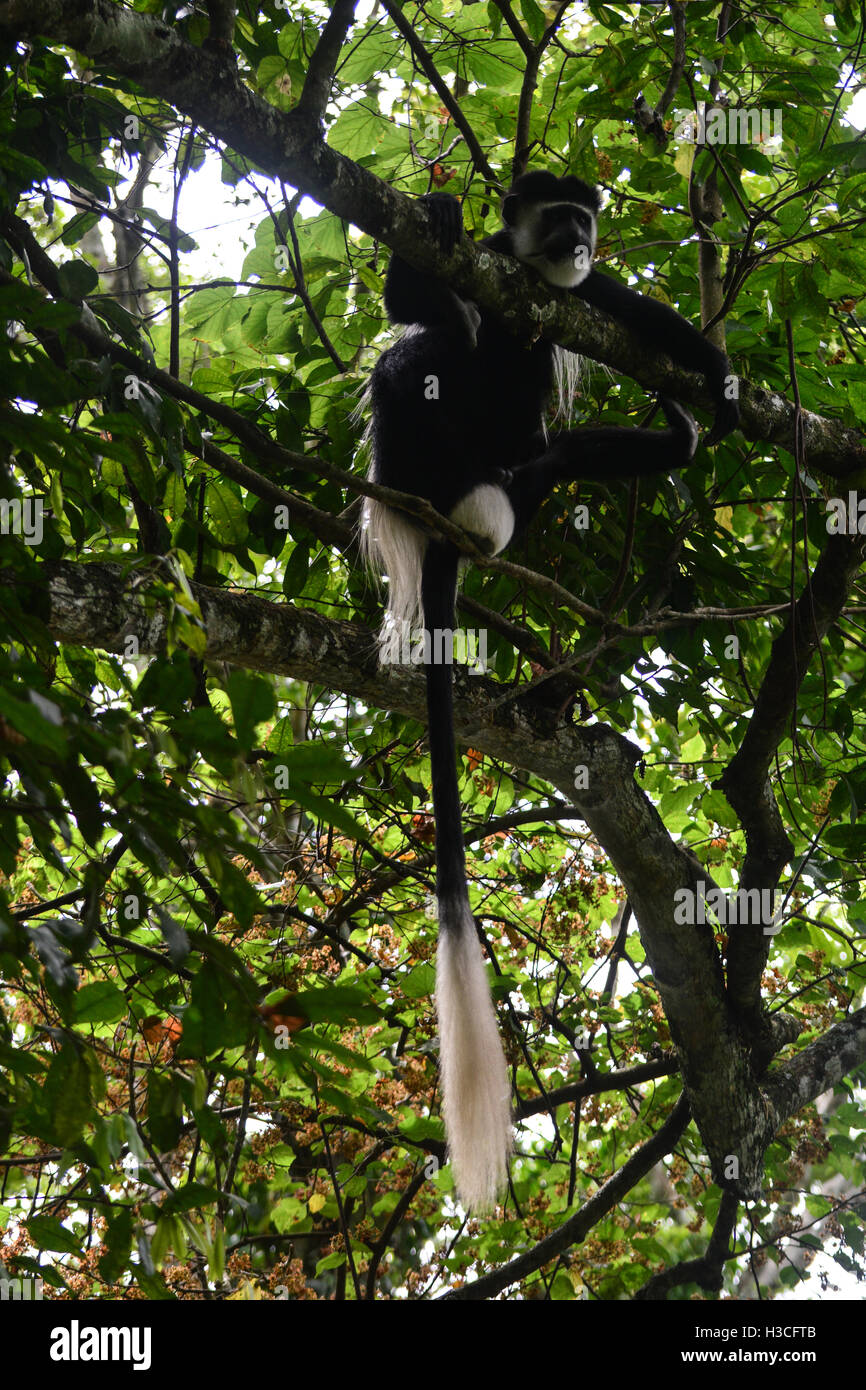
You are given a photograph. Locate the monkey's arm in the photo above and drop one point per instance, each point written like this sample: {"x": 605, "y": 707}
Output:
{"x": 616, "y": 451}
{"x": 666, "y": 330}
{"x": 413, "y": 297}
{"x": 599, "y": 455}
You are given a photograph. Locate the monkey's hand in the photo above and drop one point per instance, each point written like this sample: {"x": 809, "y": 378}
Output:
{"x": 445, "y": 216}
{"x": 682, "y": 423}
{"x": 727, "y": 419}
{"x": 446, "y": 224}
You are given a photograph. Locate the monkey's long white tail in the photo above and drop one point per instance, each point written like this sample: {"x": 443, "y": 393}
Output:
{"x": 476, "y": 1092}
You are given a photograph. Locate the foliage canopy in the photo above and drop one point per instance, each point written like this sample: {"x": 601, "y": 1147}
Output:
{"x": 217, "y": 1035}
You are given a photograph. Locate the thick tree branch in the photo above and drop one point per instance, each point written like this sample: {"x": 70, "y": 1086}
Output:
{"x": 150, "y": 52}
{"x": 817, "y": 1068}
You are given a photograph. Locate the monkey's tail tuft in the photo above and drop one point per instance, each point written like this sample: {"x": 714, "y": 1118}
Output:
{"x": 476, "y": 1092}
{"x": 392, "y": 545}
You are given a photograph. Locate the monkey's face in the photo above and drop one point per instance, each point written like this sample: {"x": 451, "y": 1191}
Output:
{"x": 556, "y": 239}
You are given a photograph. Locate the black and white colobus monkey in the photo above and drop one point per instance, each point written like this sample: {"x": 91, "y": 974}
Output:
{"x": 458, "y": 408}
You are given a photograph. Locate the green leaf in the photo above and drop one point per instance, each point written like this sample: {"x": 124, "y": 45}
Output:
{"x": 67, "y": 1095}
{"x": 226, "y": 514}
{"x": 34, "y": 722}
{"x": 338, "y": 1004}
{"x": 190, "y": 1197}
{"x": 48, "y": 1234}
{"x": 288, "y": 1214}
{"x": 164, "y": 1109}
{"x": 99, "y": 1002}
{"x": 332, "y": 1261}
{"x": 116, "y": 1244}
{"x": 534, "y": 17}
{"x": 420, "y": 981}
{"x": 252, "y": 701}
{"x": 77, "y": 279}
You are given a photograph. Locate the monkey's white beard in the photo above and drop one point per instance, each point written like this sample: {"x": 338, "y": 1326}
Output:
{"x": 563, "y": 275}
{"x": 393, "y": 545}
{"x": 476, "y": 1092}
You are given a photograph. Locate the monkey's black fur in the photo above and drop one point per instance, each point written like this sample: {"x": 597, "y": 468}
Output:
{"x": 457, "y": 418}
{"x": 493, "y": 388}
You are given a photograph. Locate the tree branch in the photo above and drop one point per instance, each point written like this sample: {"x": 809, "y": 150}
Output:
{"x": 440, "y": 87}
{"x": 576, "y": 1228}
{"x": 678, "y": 14}
{"x": 708, "y": 1272}
{"x": 745, "y": 781}
{"x": 323, "y": 61}
{"x": 150, "y": 52}
{"x": 817, "y": 1068}
{"x": 601, "y": 1081}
